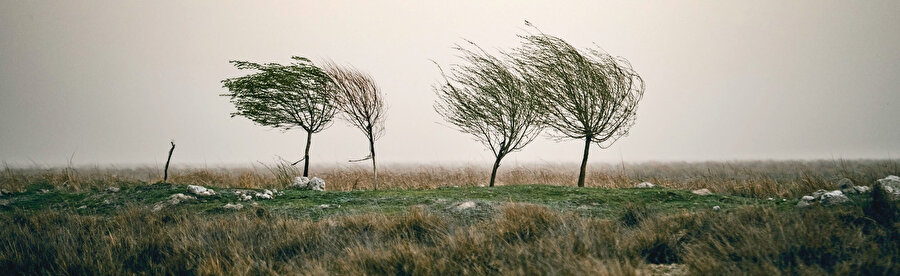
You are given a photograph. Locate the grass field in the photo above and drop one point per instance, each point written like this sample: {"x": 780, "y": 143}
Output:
{"x": 66, "y": 221}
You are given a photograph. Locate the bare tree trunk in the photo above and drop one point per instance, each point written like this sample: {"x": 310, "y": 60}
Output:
{"x": 374, "y": 170}
{"x": 587, "y": 148}
{"x": 166, "y": 171}
{"x": 494, "y": 170}
{"x": 306, "y": 155}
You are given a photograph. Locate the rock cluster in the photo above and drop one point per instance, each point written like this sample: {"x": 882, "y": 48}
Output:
{"x": 465, "y": 205}
{"x": 173, "y": 200}
{"x": 302, "y": 182}
{"x": 846, "y": 186}
{"x": 245, "y": 195}
{"x": 701, "y": 192}
{"x": 823, "y": 197}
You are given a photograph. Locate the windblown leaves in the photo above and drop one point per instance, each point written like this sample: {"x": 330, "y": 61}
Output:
{"x": 283, "y": 96}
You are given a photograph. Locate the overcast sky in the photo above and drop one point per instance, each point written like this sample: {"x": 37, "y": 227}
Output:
{"x": 114, "y": 81}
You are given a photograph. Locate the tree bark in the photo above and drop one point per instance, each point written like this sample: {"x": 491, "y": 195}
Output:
{"x": 494, "y": 170}
{"x": 374, "y": 170}
{"x": 306, "y": 155}
{"x": 587, "y": 148}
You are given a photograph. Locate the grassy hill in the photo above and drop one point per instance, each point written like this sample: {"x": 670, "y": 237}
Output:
{"x": 514, "y": 229}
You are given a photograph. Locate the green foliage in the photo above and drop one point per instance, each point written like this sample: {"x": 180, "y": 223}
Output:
{"x": 283, "y": 96}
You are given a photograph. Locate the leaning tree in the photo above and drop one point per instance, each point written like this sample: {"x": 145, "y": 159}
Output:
{"x": 284, "y": 96}
{"x": 586, "y": 94}
{"x": 362, "y": 105}
{"x": 488, "y": 98}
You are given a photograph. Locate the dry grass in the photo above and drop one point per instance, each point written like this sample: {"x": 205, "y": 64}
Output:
{"x": 521, "y": 239}
{"x": 746, "y": 178}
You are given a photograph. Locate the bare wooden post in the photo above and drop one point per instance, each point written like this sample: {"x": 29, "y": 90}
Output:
{"x": 166, "y": 172}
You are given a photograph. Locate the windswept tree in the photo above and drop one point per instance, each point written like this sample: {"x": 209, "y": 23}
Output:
{"x": 488, "y": 98}
{"x": 362, "y": 105}
{"x": 284, "y": 97}
{"x": 586, "y": 94}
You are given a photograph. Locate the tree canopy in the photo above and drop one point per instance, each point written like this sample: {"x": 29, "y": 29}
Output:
{"x": 586, "y": 94}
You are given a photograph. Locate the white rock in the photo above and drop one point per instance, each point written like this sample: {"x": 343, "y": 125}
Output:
{"x": 178, "y": 198}
{"x": 645, "y": 185}
{"x": 233, "y": 206}
{"x": 803, "y": 203}
{"x": 316, "y": 184}
{"x": 834, "y": 197}
{"x": 701, "y": 192}
{"x": 770, "y": 199}
{"x": 807, "y": 198}
{"x": 465, "y": 205}
{"x": 113, "y": 189}
{"x": 325, "y": 206}
{"x": 716, "y": 208}
{"x": 300, "y": 182}
{"x": 200, "y": 190}
{"x": 862, "y": 189}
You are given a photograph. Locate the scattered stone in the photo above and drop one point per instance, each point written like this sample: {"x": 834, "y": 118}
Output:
{"x": 82, "y": 207}
{"x": 701, "y": 192}
{"x": 243, "y": 195}
{"x": 173, "y": 200}
{"x": 266, "y": 194}
{"x": 178, "y": 198}
{"x": 325, "y": 206}
{"x": 107, "y": 201}
{"x": 113, "y": 189}
{"x": 645, "y": 185}
{"x": 824, "y": 197}
{"x": 846, "y": 186}
{"x": 200, "y": 190}
{"x": 770, "y": 199}
{"x": 316, "y": 184}
{"x": 465, "y": 205}
{"x": 481, "y": 185}
{"x": 44, "y": 191}
{"x": 716, "y": 208}
{"x": 233, "y": 206}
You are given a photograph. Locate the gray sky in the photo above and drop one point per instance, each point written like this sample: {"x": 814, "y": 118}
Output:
{"x": 114, "y": 81}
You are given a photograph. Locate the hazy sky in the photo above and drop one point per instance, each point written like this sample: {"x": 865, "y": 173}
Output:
{"x": 114, "y": 81}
